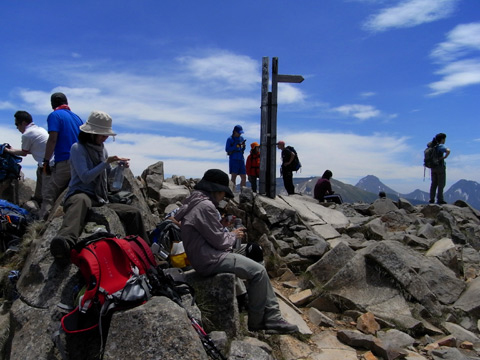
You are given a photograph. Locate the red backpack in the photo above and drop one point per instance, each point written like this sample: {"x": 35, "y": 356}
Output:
{"x": 115, "y": 271}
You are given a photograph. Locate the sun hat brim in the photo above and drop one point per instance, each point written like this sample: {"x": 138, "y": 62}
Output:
{"x": 209, "y": 186}
{"x": 93, "y": 129}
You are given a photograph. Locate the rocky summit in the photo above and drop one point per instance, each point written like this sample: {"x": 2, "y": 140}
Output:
{"x": 382, "y": 280}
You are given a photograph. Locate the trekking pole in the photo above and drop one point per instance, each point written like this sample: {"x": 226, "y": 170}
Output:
{"x": 208, "y": 344}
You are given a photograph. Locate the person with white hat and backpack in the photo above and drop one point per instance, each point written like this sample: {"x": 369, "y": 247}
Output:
{"x": 88, "y": 187}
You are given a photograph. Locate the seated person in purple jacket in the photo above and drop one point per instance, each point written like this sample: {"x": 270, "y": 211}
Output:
{"x": 323, "y": 189}
{"x": 209, "y": 249}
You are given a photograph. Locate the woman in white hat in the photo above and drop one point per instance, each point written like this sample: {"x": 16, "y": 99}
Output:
{"x": 90, "y": 165}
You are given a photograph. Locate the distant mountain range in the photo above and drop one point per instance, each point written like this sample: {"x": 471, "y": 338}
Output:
{"x": 367, "y": 189}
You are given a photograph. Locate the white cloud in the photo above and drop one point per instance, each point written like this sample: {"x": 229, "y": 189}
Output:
{"x": 289, "y": 94}
{"x": 457, "y": 75}
{"x": 367, "y": 94}
{"x": 410, "y": 13}
{"x": 236, "y": 71}
{"x": 361, "y": 112}
{"x": 461, "y": 41}
{"x": 5, "y": 105}
{"x": 458, "y": 56}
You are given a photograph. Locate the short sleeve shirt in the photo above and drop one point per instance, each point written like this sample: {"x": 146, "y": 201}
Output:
{"x": 67, "y": 125}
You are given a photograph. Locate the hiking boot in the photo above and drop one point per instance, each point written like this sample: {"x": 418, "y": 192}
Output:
{"x": 60, "y": 250}
{"x": 280, "y": 327}
{"x": 275, "y": 327}
{"x": 441, "y": 202}
{"x": 431, "y": 201}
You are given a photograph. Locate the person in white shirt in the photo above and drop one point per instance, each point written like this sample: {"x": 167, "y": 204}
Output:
{"x": 34, "y": 141}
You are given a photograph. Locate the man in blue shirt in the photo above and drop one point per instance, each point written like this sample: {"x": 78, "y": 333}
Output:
{"x": 439, "y": 173}
{"x": 235, "y": 148}
{"x": 63, "y": 129}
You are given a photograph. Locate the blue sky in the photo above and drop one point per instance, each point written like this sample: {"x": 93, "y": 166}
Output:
{"x": 381, "y": 79}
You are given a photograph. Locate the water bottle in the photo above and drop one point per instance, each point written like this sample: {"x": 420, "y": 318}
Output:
{"x": 238, "y": 225}
{"x": 117, "y": 183}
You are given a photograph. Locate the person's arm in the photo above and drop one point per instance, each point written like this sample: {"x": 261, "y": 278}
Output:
{"x": 447, "y": 152}
{"x": 50, "y": 147}
{"x": 230, "y": 146}
{"x": 292, "y": 157}
{"x": 208, "y": 225}
{"x": 18, "y": 152}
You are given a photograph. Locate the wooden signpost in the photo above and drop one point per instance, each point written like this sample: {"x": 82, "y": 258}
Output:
{"x": 268, "y": 126}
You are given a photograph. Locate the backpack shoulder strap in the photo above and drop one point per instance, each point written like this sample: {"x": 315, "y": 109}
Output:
{"x": 87, "y": 262}
{"x": 142, "y": 250}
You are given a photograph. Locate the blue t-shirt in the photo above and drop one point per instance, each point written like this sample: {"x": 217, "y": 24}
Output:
{"x": 67, "y": 125}
{"x": 441, "y": 150}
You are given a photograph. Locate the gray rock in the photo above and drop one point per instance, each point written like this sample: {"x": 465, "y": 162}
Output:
{"x": 448, "y": 354}
{"x": 396, "y": 339}
{"x": 462, "y": 334}
{"x": 330, "y": 263}
{"x": 468, "y": 301}
{"x": 382, "y": 206}
{"x": 166, "y": 333}
{"x": 217, "y": 299}
{"x": 445, "y": 251}
{"x": 242, "y": 350}
{"x": 376, "y": 229}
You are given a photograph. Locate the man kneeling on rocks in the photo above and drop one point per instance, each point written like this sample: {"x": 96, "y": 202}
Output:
{"x": 209, "y": 249}
{"x": 90, "y": 165}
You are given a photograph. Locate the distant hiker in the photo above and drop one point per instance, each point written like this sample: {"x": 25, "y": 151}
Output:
{"x": 253, "y": 165}
{"x": 323, "y": 189}
{"x": 34, "y": 140}
{"x": 209, "y": 247}
{"x": 235, "y": 147}
{"x": 439, "y": 172}
{"x": 90, "y": 165}
{"x": 63, "y": 129}
{"x": 286, "y": 169}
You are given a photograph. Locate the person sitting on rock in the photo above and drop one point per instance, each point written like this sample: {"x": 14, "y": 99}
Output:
{"x": 209, "y": 249}
{"x": 90, "y": 165}
{"x": 323, "y": 189}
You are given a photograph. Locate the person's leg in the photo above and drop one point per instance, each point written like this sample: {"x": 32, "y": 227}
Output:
{"x": 288, "y": 182}
{"x": 253, "y": 182}
{"x": 243, "y": 180}
{"x": 58, "y": 182}
{"x": 433, "y": 186}
{"x": 131, "y": 219}
{"x": 441, "y": 179}
{"x": 233, "y": 178}
{"x": 262, "y": 302}
{"x": 76, "y": 208}
{"x": 38, "y": 186}
{"x": 263, "y": 309}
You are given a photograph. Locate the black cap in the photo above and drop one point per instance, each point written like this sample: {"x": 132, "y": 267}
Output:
{"x": 215, "y": 180}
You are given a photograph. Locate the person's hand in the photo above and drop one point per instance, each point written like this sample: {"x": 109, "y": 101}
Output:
{"x": 46, "y": 168}
{"x": 114, "y": 158}
{"x": 239, "y": 233}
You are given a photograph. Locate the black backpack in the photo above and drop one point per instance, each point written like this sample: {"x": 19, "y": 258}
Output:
{"x": 9, "y": 164}
{"x": 431, "y": 158}
{"x": 296, "y": 164}
{"x": 167, "y": 244}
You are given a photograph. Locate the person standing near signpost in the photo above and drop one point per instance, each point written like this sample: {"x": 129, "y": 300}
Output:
{"x": 235, "y": 147}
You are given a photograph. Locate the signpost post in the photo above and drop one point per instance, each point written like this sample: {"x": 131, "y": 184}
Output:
{"x": 268, "y": 126}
